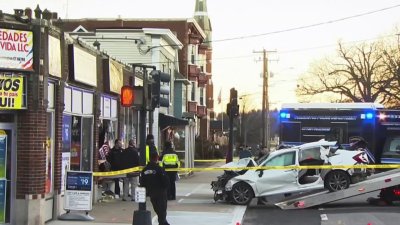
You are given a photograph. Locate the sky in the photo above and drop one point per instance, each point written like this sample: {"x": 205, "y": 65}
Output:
{"x": 295, "y": 34}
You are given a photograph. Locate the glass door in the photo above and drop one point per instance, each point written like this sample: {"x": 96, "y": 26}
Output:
{"x": 7, "y": 181}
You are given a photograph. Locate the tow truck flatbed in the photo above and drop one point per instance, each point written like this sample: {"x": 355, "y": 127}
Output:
{"x": 372, "y": 183}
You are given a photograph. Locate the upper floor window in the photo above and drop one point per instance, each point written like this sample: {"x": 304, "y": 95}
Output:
{"x": 193, "y": 92}
{"x": 192, "y": 54}
{"x": 202, "y": 96}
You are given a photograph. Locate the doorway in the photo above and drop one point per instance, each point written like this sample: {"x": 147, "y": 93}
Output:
{"x": 7, "y": 169}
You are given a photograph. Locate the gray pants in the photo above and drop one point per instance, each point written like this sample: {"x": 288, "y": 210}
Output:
{"x": 133, "y": 183}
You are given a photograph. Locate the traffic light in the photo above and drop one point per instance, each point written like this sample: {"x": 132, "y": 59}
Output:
{"x": 233, "y": 105}
{"x": 127, "y": 96}
{"x": 160, "y": 89}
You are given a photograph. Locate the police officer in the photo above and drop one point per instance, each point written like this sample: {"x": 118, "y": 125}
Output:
{"x": 169, "y": 159}
{"x": 156, "y": 182}
{"x": 150, "y": 147}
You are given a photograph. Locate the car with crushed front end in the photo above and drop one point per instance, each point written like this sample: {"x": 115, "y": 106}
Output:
{"x": 246, "y": 178}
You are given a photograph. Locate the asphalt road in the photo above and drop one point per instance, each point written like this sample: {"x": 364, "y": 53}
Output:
{"x": 352, "y": 211}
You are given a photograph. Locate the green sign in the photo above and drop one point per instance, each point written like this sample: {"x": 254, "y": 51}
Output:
{"x": 3, "y": 153}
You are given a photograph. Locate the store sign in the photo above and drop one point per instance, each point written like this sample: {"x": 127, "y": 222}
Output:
{"x": 78, "y": 190}
{"x": 16, "y": 49}
{"x": 11, "y": 92}
{"x": 116, "y": 76}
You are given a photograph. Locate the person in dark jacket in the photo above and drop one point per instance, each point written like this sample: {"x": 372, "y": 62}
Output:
{"x": 114, "y": 158}
{"x": 156, "y": 182}
{"x": 130, "y": 159}
{"x": 150, "y": 147}
{"x": 169, "y": 160}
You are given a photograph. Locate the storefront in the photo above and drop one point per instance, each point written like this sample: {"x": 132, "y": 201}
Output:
{"x": 15, "y": 66}
{"x": 78, "y": 120}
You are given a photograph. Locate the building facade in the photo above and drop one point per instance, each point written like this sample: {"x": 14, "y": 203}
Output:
{"x": 59, "y": 101}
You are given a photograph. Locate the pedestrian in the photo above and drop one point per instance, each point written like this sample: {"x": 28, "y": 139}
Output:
{"x": 105, "y": 166}
{"x": 130, "y": 159}
{"x": 114, "y": 158}
{"x": 150, "y": 147}
{"x": 170, "y": 160}
{"x": 156, "y": 182}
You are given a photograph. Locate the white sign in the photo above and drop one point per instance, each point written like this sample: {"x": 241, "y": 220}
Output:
{"x": 16, "y": 49}
{"x": 78, "y": 190}
{"x": 78, "y": 200}
{"x": 140, "y": 194}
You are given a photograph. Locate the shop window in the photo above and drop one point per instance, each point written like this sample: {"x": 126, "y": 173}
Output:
{"x": 75, "y": 143}
{"x": 81, "y": 143}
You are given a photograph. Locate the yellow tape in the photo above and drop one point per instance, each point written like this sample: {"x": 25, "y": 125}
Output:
{"x": 209, "y": 160}
{"x": 359, "y": 166}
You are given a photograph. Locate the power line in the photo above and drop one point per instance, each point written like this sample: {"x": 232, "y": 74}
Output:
{"x": 289, "y": 50}
{"x": 306, "y": 26}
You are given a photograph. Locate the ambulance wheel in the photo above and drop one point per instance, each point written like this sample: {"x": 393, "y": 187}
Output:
{"x": 241, "y": 194}
{"x": 337, "y": 180}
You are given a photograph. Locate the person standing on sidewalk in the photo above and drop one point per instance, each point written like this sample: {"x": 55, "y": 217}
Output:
{"x": 156, "y": 182}
{"x": 130, "y": 159}
{"x": 150, "y": 147}
{"x": 169, "y": 159}
{"x": 114, "y": 158}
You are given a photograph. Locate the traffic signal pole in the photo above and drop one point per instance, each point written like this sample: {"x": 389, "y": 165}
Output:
{"x": 143, "y": 216}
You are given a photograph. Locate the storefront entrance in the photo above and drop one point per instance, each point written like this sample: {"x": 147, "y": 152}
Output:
{"x": 7, "y": 168}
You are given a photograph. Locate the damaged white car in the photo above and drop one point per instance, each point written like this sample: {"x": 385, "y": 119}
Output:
{"x": 240, "y": 186}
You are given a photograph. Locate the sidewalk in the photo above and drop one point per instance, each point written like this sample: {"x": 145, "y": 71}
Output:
{"x": 194, "y": 205}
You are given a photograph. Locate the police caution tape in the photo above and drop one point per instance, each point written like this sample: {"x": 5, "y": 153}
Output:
{"x": 357, "y": 166}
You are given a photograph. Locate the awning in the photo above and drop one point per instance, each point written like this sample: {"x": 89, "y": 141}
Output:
{"x": 165, "y": 121}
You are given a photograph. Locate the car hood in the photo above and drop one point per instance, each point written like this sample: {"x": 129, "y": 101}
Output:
{"x": 241, "y": 163}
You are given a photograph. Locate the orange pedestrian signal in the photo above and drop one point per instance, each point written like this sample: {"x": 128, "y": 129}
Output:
{"x": 127, "y": 96}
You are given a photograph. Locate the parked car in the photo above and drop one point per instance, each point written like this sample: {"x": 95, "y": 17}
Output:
{"x": 241, "y": 185}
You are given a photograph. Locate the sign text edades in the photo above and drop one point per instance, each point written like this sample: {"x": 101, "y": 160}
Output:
{"x": 11, "y": 40}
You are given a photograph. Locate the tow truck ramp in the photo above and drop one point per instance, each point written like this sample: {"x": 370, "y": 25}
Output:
{"x": 372, "y": 183}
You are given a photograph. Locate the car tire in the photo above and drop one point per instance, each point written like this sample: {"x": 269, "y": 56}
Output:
{"x": 337, "y": 180}
{"x": 241, "y": 194}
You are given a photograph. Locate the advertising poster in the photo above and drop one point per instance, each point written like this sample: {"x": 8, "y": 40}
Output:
{"x": 11, "y": 92}
{"x": 3, "y": 188}
{"x": 3, "y": 154}
{"x": 78, "y": 192}
{"x": 66, "y": 133}
{"x": 65, "y": 157}
{"x": 16, "y": 49}
{"x": 76, "y": 143}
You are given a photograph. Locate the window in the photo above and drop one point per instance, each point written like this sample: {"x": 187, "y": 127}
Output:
{"x": 285, "y": 159}
{"x": 202, "y": 96}
{"x": 310, "y": 153}
{"x": 193, "y": 92}
{"x": 192, "y": 49}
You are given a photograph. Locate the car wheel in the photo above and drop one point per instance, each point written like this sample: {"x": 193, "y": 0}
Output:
{"x": 241, "y": 194}
{"x": 337, "y": 180}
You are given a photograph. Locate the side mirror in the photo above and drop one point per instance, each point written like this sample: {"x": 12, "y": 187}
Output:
{"x": 261, "y": 172}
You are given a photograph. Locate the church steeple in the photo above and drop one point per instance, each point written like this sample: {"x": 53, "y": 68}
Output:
{"x": 201, "y": 16}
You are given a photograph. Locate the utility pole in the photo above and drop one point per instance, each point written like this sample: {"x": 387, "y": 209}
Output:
{"x": 265, "y": 139}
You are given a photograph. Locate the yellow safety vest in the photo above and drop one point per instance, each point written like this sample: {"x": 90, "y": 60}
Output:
{"x": 170, "y": 161}
{"x": 148, "y": 153}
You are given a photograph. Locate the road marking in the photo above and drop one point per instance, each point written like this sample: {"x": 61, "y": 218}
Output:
{"x": 324, "y": 217}
{"x": 180, "y": 200}
{"x": 238, "y": 214}
{"x": 194, "y": 190}
{"x": 321, "y": 209}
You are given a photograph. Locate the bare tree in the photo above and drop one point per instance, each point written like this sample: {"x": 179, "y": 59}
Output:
{"x": 361, "y": 73}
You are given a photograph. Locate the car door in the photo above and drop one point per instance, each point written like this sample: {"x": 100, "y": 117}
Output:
{"x": 273, "y": 181}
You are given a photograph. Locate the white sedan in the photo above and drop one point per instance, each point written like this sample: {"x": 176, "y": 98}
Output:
{"x": 247, "y": 184}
